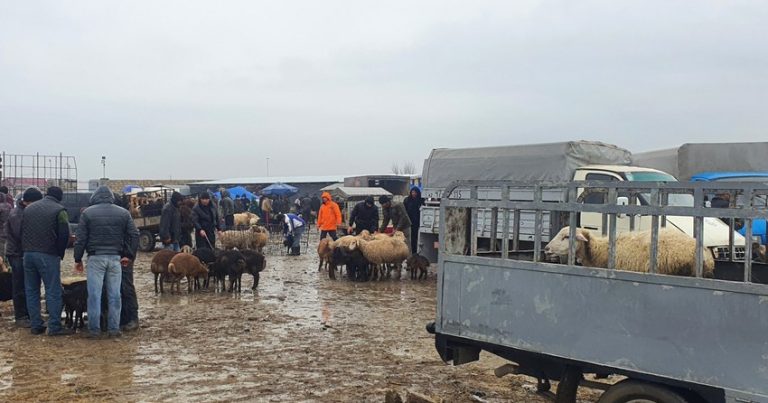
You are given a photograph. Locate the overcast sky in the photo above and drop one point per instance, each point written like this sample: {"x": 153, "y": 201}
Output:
{"x": 204, "y": 89}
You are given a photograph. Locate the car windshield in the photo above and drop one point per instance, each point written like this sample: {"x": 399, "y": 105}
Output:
{"x": 674, "y": 199}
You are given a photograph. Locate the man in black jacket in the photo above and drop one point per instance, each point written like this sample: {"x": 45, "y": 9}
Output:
{"x": 206, "y": 221}
{"x": 106, "y": 232}
{"x": 413, "y": 205}
{"x": 44, "y": 239}
{"x": 16, "y": 255}
{"x": 170, "y": 222}
{"x": 365, "y": 216}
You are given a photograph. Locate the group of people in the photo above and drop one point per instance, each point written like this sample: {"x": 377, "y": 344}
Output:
{"x": 35, "y": 234}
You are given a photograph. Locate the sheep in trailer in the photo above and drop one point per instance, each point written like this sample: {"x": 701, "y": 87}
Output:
{"x": 159, "y": 266}
{"x": 676, "y": 253}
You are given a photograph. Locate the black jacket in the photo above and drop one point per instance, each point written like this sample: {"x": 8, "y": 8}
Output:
{"x": 413, "y": 206}
{"x": 364, "y": 217}
{"x": 5, "y": 211}
{"x": 205, "y": 218}
{"x": 13, "y": 232}
{"x": 170, "y": 219}
{"x": 106, "y": 229}
{"x": 45, "y": 227}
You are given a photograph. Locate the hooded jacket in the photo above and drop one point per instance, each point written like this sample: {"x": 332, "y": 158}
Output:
{"x": 205, "y": 217}
{"x": 13, "y": 230}
{"x": 105, "y": 228}
{"x": 397, "y": 214}
{"x": 227, "y": 205}
{"x": 170, "y": 219}
{"x": 413, "y": 206}
{"x": 364, "y": 217}
{"x": 329, "y": 216}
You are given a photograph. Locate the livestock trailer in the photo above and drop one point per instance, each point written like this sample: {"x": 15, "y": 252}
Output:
{"x": 660, "y": 338}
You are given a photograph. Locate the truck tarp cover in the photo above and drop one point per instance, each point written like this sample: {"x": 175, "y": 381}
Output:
{"x": 534, "y": 162}
{"x": 693, "y": 158}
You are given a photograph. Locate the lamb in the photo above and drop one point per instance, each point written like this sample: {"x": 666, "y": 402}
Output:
{"x": 324, "y": 251}
{"x": 207, "y": 257}
{"x": 387, "y": 251}
{"x": 254, "y": 264}
{"x": 74, "y": 295}
{"x": 417, "y": 262}
{"x": 229, "y": 263}
{"x": 246, "y": 219}
{"x": 676, "y": 251}
{"x": 357, "y": 264}
{"x": 159, "y": 265}
{"x": 185, "y": 265}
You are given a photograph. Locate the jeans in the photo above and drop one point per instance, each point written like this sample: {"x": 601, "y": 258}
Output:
{"x": 173, "y": 246}
{"x": 101, "y": 269}
{"x": 17, "y": 280}
{"x": 130, "y": 304}
{"x": 297, "y": 232}
{"x": 46, "y": 268}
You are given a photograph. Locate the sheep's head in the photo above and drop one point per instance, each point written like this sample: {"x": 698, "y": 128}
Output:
{"x": 558, "y": 246}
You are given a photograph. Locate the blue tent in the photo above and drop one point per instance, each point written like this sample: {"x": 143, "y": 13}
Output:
{"x": 238, "y": 191}
{"x": 130, "y": 188}
{"x": 279, "y": 189}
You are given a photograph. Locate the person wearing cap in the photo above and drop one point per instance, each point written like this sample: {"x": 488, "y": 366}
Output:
{"x": 413, "y": 205}
{"x": 15, "y": 254}
{"x": 364, "y": 216}
{"x": 110, "y": 237}
{"x": 206, "y": 220}
{"x": 170, "y": 222}
{"x": 44, "y": 239}
{"x": 395, "y": 212}
{"x": 329, "y": 217}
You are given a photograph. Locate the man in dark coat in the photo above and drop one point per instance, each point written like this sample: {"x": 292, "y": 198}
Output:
{"x": 44, "y": 239}
{"x": 364, "y": 216}
{"x": 15, "y": 254}
{"x": 206, "y": 221}
{"x": 170, "y": 222}
{"x": 5, "y": 211}
{"x": 108, "y": 234}
{"x": 413, "y": 205}
{"x": 395, "y": 212}
{"x": 227, "y": 209}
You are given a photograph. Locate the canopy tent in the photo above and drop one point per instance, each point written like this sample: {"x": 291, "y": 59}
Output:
{"x": 238, "y": 191}
{"x": 131, "y": 188}
{"x": 279, "y": 189}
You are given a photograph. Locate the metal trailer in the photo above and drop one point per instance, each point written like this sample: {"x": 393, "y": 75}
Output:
{"x": 674, "y": 338}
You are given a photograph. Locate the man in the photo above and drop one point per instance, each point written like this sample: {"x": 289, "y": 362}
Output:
{"x": 293, "y": 225}
{"x": 206, "y": 221}
{"x": 227, "y": 210}
{"x": 329, "y": 217}
{"x": 306, "y": 208}
{"x": 396, "y": 213}
{"x": 108, "y": 234}
{"x": 365, "y": 216}
{"x": 266, "y": 208}
{"x": 238, "y": 202}
{"x": 15, "y": 254}
{"x": 44, "y": 239}
{"x": 129, "y": 312}
{"x": 170, "y": 223}
{"x": 413, "y": 205}
{"x": 5, "y": 211}
{"x": 187, "y": 226}
{"x": 314, "y": 206}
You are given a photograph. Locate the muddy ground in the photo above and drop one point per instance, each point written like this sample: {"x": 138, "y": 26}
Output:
{"x": 299, "y": 337}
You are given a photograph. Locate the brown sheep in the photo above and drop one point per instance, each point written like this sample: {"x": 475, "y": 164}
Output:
{"x": 676, "y": 251}
{"x": 159, "y": 265}
{"x": 185, "y": 265}
{"x": 418, "y": 263}
{"x": 325, "y": 252}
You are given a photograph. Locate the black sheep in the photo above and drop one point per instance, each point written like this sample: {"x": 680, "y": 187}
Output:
{"x": 357, "y": 264}
{"x": 208, "y": 257}
{"x": 230, "y": 263}
{"x": 254, "y": 263}
{"x": 75, "y": 298}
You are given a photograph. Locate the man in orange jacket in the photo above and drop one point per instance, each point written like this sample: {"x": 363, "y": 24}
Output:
{"x": 329, "y": 217}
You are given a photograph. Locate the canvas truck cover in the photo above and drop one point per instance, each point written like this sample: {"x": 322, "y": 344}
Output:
{"x": 691, "y": 158}
{"x": 534, "y": 162}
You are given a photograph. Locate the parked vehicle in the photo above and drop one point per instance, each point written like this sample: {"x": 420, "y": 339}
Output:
{"x": 672, "y": 338}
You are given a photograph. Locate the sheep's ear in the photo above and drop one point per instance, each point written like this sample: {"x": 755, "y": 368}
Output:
{"x": 353, "y": 245}
{"x": 580, "y": 236}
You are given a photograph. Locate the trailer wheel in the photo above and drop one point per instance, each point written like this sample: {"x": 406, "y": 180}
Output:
{"x": 630, "y": 391}
{"x": 146, "y": 241}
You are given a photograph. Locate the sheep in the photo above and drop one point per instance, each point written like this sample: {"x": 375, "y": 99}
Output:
{"x": 229, "y": 263}
{"x": 254, "y": 264}
{"x": 253, "y": 238}
{"x": 186, "y": 249}
{"x": 417, "y": 262}
{"x": 74, "y": 296}
{"x": 246, "y": 219}
{"x": 676, "y": 251}
{"x": 3, "y": 266}
{"x": 389, "y": 251}
{"x": 159, "y": 265}
{"x": 324, "y": 251}
{"x": 207, "y": 256}
{"x": 185, "y": 265}
{"x": 353, "y": 259}
{"x": 759, "y": 252}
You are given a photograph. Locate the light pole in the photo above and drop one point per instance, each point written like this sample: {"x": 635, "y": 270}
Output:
{"x": 267, "y": 166}
{"x": 104, "y": 167}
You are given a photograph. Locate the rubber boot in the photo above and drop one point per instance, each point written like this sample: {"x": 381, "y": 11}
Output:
{"x": 296, "y": 251}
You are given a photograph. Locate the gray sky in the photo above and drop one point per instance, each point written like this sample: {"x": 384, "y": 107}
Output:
{"x": 202, "y": 89}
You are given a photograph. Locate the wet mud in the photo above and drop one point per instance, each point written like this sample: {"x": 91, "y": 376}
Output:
{"x": 299, "y": 337}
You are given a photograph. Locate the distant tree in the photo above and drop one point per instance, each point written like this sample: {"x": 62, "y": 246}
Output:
{"x": 408, "y": 168}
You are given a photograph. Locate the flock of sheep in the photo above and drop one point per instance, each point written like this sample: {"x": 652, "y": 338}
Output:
{"x": 370, "y": 256}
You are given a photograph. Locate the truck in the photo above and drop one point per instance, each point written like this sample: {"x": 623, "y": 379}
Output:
{"x": 644, "y": 336}
{"x": 554, "y": 162}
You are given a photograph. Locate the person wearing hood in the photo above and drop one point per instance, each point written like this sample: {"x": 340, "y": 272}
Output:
{"x": 395, "y": 212}
{"x": 44, "y": 240}
{"x": 227, "y": 209}
{"x": 365, "y": 216}
{"x": 15, "y": 254}
{"x": 170, "y": 222}
{"x": 108, "y": 234}
{"x": 413, "y": 205}
{"x": 293, "y": 228}
{"x": 206, "y": 221}
{"x": 329, "y": 217}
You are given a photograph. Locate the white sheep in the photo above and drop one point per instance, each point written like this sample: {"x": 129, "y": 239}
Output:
{"x": 254, "y": 238}
{"x": 246, "y": 219}
{"x": 675, "y": 254}
{"x": 387, "y": 250}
